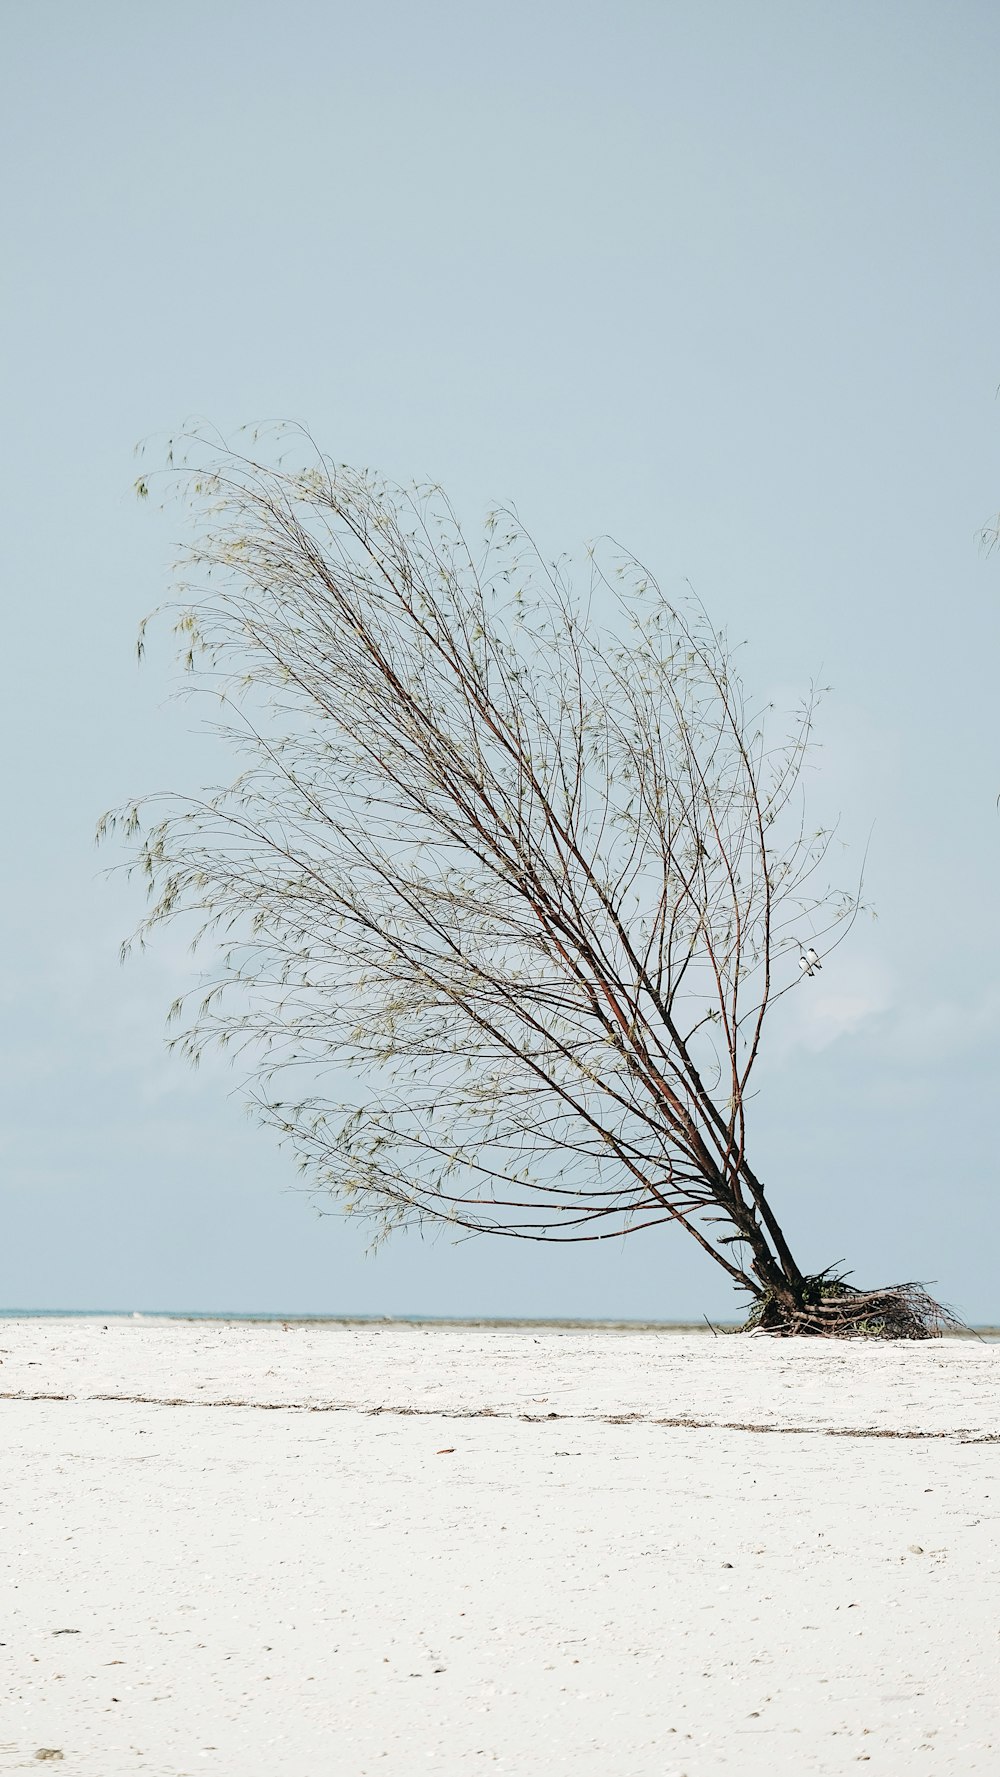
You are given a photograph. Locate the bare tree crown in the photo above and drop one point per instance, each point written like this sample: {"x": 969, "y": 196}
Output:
{"x": 525, "y": 858}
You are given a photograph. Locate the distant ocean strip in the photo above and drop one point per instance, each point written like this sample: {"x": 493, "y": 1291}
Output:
{"x": 352, "y": 1320}
{"x": 403, "y": 1320}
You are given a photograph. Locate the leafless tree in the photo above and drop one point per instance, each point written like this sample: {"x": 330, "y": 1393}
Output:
{"x": 529, "y": 863}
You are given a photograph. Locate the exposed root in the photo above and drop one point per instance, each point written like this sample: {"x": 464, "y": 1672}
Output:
{"x": 829, "y": 1308}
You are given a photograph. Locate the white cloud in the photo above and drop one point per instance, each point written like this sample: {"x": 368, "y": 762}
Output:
{"x": 840, "y": 1002}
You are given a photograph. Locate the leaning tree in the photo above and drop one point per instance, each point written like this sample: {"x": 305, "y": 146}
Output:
{"x": 524, "y": 866}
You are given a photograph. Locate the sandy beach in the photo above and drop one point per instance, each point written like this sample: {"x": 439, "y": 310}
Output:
{"x": 380, "y": 1551}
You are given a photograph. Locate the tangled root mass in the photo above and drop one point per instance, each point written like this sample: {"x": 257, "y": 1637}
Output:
{"x": 829, "y": 1308}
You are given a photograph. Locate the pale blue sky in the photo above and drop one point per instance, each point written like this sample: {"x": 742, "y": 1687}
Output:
{"x": 721, "y": 279}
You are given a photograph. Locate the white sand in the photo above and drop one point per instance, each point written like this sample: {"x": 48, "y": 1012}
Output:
{"x": 258, "y": 1589}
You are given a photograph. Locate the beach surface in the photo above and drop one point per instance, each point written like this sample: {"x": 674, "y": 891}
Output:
{"x": 378, "y": 1551}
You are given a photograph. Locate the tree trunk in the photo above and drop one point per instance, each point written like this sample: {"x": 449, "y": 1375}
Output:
{"x": 771, "y": 1262}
